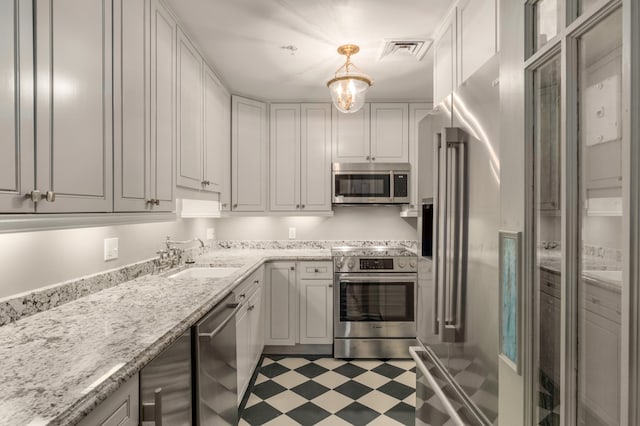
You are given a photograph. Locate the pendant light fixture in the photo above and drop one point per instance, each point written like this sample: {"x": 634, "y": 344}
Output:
{"x": 349, "y": 85}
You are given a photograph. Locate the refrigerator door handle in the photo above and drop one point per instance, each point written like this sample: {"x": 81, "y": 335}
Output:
{"x": 413, "y": 351}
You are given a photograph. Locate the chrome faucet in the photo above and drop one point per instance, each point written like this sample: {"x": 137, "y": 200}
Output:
{"x": 169, "y": 242}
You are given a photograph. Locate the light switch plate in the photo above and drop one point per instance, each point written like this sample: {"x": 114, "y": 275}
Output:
{"x": 110, "y": 248}
{"x": 211, "y": 233}
{"x": 292, "y": 233}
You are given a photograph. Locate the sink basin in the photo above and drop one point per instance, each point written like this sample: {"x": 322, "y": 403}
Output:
{"x": 204, "y": 272}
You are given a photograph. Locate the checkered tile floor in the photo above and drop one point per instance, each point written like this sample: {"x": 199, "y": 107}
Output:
{"x": 327, "y": 391}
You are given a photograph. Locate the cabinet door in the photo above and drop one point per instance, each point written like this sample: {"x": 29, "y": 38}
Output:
{"x": 122, "y": 408}
{"x": 478, "y": 39}
{"x": 163, "y": 107}
{"x": 316, "y": 311}
{"x": 256, "y": 327}
{"x": 189, "y": 170}
{"x": 74, "y": 103}
{"x": 243, "y": 354}
{"x": 131, "y": 139}
{"x": 600, "y": 388}
{"x": 248, "y": 155}
{"x": 216, "y": 132}
{"x": 420, "y": 154}
{"x": 16, "y": 121}
{"x": 280, "y": 304}
{"x": 350, "y": 136}
{"x": 390, "y": 133}
{"x": 444, "y": 60}
{"x": 315, "y": 157}
{"x": 284, "y": 151}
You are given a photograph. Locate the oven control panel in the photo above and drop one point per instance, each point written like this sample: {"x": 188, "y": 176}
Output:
{"x": 375, "y": 264}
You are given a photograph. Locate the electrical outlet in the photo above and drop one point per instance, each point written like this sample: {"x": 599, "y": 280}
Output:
{"x": 211, "y": 233}
{"x": 292, "y": 233}
{"x": 110, "y": 248}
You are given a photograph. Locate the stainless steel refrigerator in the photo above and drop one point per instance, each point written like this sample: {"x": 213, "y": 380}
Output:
{"x": 457, "y": 374}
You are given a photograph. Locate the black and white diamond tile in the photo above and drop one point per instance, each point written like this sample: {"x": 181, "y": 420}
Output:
{"x": 328, "y": 391}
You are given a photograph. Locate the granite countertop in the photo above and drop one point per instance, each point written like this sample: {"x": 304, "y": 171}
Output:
{"x": 59, "y": 364}
{"x": 596, "y": 270}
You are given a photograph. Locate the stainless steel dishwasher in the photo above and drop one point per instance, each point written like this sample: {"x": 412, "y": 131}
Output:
{"x": 216, "y": 369}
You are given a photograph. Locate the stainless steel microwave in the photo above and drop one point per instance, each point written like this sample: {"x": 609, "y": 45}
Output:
{"x": 371, "y": 183}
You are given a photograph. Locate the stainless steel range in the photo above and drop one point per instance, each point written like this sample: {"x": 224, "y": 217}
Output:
{"x": 375, "y": 302}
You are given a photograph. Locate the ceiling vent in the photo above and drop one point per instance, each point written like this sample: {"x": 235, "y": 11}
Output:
{"x": 405, "y": 48}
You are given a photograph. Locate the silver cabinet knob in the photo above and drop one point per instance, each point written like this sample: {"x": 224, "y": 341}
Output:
{"x": 373, "y": 158}
{"x": 368, "y": 157}
{"x": 293, "y": 268}
{"x": 302, "y": 206}
{"x": 297, "y": 206}
{"x": 330, "y": 285}
{"x": 235, "y": 206}
{"x": 50, "y": 196}
{"x": 224, "y": 204}
{"x": 36, "y": 196}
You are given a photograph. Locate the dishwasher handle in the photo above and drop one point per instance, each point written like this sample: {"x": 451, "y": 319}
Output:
{"x": 236, "y": 307}
{"x": 152, "y": 412}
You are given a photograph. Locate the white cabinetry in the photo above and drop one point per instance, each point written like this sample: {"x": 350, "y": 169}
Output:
{"x": 74, "y": 103}
{"x": 249, "y": 329}
{"x": 300, "y": 157}
{"x": 17, "y": 175}
{"x": 478, "y": 35}
{"x": 217, "y": 137}
{"x": 190, "y": 117}
{"x": 350, "y": 136}
{"x": 122, "y": 408}
{"x": 249, "y": 145}
{"x": 420, "y": 157}
{"x": 280, "y": 304}
{"x": 378, "y": 132}
{"x": 444, "y": 55}
{"x": 144, "y": 106}
{"x": 316, "y": 302}
{"x": 390, "y": 132}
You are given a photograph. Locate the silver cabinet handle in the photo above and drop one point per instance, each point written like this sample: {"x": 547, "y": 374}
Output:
{"x": 36, "y": 196}
{"x": 152, "y": 411}
{"x": 236, "y": 307}
{"x": 368, "y": 157}
{"x": 256, "y": 282}
{"x": 250, "y": 308}
{"x": 302, "y": 206}
{"x": 330, "y": 285}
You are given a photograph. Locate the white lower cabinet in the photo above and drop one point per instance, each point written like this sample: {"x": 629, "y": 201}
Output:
{"x": 316, "y": 311}
{"x": 249, "y": 330}
{"x": 280, "y": 304}
{"x": 120, "y": 409}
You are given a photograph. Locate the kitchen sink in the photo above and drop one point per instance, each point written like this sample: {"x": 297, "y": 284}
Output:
{"x": 204, "y": 272}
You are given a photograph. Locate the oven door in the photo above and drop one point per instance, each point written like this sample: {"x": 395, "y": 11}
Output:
{"x": 375, "y": 305}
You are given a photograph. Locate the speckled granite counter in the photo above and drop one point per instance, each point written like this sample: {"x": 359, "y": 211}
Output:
{"x": 598, "y": 271}
{"x": 59, "y": 364}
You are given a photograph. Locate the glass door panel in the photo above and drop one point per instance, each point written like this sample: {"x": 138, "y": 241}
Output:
{"x": 600, "y": 240}
{"x": 546, "y": 21}
{"x": 547, "y": 228}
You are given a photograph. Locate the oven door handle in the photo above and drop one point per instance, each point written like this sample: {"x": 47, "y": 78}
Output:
{"x": 359, "y": 278}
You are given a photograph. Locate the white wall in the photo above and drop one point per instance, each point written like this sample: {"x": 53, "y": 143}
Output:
{"x": 30, "y": 260}
{"x": 350, "y": 223}
{"x": 512, "y": 173}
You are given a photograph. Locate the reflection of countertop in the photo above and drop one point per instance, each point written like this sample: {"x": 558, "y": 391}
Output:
{"x": 60, "y": 364}
{"x": 596, "y": 270}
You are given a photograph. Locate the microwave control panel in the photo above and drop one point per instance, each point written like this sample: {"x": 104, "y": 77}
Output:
{"x": 400, "y": 185}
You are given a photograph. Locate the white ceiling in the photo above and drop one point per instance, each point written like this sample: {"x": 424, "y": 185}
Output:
{"x": 243, "y": 40}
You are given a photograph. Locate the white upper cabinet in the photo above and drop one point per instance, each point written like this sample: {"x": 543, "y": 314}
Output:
{"x": 285, "y": 157}
{"x": 74, "y": 104}
{"x": 300, "y": 157}
{"x": 478, "y": 35}
{"x": 444, "y": 55}
{"x": 217, "y": 135}
{"x": 350, "y": 136}
{"x": 420, "y": 139}
{"x": 389, "y": 132}
{"x": 144, "y": 99}
{"x": 16, "y": 103}
{"x": 190, "y": 100}
{"x": 377, "y": 133}
{"x": 315, "y": 157}
{"x": 249, "y": 146}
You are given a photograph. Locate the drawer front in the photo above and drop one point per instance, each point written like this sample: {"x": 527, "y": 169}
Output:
{"x": 550, "y": 283}
{"x": 120, "y": 409}
{"x": 311, "y": 270}
{"x": 602, "y": 301}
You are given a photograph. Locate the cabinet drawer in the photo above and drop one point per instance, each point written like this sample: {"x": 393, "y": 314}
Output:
{"x": 315, "y": 270}
{"x": 550, "y": 283}
{"x": 602, "y": 301}
{"x": 120, "y": 409}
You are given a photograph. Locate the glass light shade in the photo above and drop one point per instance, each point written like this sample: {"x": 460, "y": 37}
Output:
{"x": 348, "y": 92}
